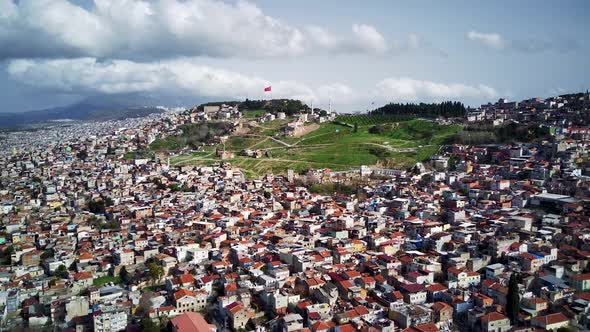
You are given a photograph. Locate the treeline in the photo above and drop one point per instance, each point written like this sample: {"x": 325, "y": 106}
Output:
{"x": 447, "y": 109}
{"x": 218, "y": 103}
{"x": 504, "y": 134}
{"x": 195, "y": 135}
{"x": 288, "y": 106}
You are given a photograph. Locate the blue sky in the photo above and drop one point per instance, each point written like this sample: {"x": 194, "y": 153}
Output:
{"x": 351, "y": 52}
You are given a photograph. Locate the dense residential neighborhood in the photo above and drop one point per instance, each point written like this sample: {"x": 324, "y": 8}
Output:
{"x": 99, "y": 235}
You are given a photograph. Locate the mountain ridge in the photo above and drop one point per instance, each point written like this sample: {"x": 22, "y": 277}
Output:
{"x": 94, "y": 108}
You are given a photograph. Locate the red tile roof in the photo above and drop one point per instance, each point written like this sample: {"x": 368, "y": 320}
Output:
{"x": 551, "y": 319}
{"x": 492, "y": 317}
{"x": 193, "y": 322}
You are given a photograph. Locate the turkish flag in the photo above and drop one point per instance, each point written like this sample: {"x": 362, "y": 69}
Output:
{"x": 268, "y": 88}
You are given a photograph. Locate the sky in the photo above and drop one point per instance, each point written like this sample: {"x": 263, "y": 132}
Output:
{"x": 352, "y": 54}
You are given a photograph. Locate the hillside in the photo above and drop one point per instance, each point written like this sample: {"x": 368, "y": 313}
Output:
{"x": 330, "y": 145}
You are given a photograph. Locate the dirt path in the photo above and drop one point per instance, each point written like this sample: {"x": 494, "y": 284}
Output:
{"x": 259, "y": 142}
{"x": 308, "y": 129}
{"x": 390, "y": 149}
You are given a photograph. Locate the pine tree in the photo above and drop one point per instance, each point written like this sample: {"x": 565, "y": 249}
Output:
{"x": 124, "y": 274}
{"x": 513, "y": 299}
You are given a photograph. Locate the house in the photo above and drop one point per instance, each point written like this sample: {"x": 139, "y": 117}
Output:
{"x": 442, "y": 312}
{"x": 495, "y": 322}
{"x": 110, "y": 321}
{"x": 292, "y": 322}
{"x": 462, "y": 278}
{"x": 191, "y": 322}
{"x": 426, "y": 327}
{"x": 205, "y": 283}
{"x": 410, "y": 315}
{"x": 435, "y": 291}
{"x": 581, "y": 282}
{"x": 551, "y": 322}
{"x": 328, "y": 293}
{"x": 238, "y": 315}
{"x": 531, "y": 262}
{"x": 84, "y": 279}
{"x": 124, "y": 257}
{"x": 413, "y": 293}
{"x": 186, "y": 300}
{"x": 31, "y": 258}
{"x": 534, "y": 304}
{"x": 493, "y": 270}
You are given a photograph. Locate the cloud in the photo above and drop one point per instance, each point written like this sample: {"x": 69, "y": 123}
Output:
{"x": 363, "y": 39}
{"x": 491, "y": 40}
{"x": 141, "y": 29}
{"x": 369, "y": 38}
{"x": 128, "y": 28}
{"x": 181, "y": 76}
{"x": 407, "y": 89}
{"x": 530, "y": 45}
{"x": 87, "y": 76}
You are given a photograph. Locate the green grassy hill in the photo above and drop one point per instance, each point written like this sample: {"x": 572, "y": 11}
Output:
{"x": 333, "y": 145}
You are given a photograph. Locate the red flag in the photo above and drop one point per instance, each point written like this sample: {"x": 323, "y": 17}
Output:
{"x": 267, "y": 89}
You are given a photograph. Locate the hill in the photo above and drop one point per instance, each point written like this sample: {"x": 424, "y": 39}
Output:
{"x": 97, "y": 108}
{"x": 328, "y": 145}
{"x": 288, "y": 106}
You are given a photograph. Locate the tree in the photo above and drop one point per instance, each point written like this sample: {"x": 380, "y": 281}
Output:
{"x": 96, "y": 207}
{"x": 356, "y": 128}
{"x": 5, "y": 256}
{"x": 445, "y": 109}
{"x": 147, "y": 324}
{"x": 513, "y": 299}
{"x": 145, "y": 303}
{"x": 82, "y": 155}
{"x": 377, "y": 129}
{"x": 565, "y": 329}
{"x": 155, "y": 271}
{"x": 108, "y": 201}
{"x": 125, "y": 277}
{"x": 61, "y": 272}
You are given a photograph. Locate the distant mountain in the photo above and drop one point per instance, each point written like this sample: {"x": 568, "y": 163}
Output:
{"x": 96, "y": 108}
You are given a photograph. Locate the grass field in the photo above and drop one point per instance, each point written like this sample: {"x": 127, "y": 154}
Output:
{"x": 253, "y": 114}
{"x": 366, "y": 120}
{"x": 99, "y": 282}
{"x": 332, "y": 145}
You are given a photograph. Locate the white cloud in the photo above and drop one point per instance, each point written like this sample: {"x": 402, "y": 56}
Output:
{"x": 407, "y": 89}
{"x": 181, "y": 76}
{"x": 492, "y": 40}
{"x": 84, "y": 76}
{"x": 142, "y": 29}
{"x": 118, "y": 28}
{"x": 322, "y": 38}
{"x": 369, "y": 38}
{"x": 413, "y": 41}
{"x": 525, "y": 45}
{"x": 364, "y": 39}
